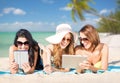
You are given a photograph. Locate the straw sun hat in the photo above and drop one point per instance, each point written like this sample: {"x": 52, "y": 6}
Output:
{"x": 61, "y": 31}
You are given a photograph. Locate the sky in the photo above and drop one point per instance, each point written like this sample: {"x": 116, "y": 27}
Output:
{"x": 45, "y": 15}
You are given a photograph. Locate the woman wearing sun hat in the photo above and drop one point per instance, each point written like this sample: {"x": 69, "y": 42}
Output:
{"x": 61, "y": 43}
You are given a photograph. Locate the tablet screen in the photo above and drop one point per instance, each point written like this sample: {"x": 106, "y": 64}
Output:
{"x": 72, "y": 61}
{"x": 21, "y": 56}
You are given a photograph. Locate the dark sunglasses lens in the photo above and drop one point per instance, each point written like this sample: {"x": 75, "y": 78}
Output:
{"x": 26, "y": 43}
{"x": 83, "y": 39}
{"x": 21, "y": 43}
{"x": 66, "y": 39}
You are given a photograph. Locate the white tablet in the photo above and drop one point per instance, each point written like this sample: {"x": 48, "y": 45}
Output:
{"x": 72, "y": 61}
{"x": 21, "y": 56}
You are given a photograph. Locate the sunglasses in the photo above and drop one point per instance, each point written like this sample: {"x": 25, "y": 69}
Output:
{"x": 66, "y": 39}
{"x": 19, "y": 43}
{"x": 83, "y": 39}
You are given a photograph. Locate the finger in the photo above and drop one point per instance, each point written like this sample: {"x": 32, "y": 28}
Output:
{"x": 24, "y": 66}
{"x": 13, "y": 60}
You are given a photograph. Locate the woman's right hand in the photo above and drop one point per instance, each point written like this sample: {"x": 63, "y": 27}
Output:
{"x": 48, "y": 69}
{"x": 85, "y": 65}
{"x": 14, "y": 67}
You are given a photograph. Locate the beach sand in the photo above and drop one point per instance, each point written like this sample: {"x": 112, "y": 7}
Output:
{"x": 106, "y": 77}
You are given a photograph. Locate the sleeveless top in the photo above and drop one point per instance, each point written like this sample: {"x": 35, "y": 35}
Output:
{"x": 98, "y": 65}
{"x": 39, "y": 64}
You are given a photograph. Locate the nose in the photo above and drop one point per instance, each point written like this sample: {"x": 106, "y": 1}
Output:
{"x": 65, "y": 41}
{"x": 23, "y": 46}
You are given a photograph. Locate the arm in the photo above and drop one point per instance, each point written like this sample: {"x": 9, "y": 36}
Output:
{"x": 47, "y": 59}
{"x": 12, "y": 64}
{"x": 104, "y": 58}
{"x": 46, "y": 54}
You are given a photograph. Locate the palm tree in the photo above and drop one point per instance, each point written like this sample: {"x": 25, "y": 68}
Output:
{"x": 78, "y": 6}
{"x": 108, "y": 25}
{"x": 81, "y": 6}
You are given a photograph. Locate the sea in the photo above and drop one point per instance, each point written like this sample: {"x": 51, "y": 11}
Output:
{"x": 7, "y": 39}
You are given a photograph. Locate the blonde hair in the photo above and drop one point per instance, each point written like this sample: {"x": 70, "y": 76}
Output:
{"x": 92, "y": 36}
{"x": 57, "y": 52}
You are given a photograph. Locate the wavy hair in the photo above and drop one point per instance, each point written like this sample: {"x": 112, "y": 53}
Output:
{"x": 57, "y": 52}
{"x": 92, "y": 36}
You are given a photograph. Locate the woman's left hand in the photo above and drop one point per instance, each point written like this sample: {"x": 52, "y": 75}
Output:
{"x": 85, "y": 65}
{"x": 26, "y": 67}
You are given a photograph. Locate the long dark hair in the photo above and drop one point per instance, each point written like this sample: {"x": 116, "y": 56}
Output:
{"x": 33, "y": 46}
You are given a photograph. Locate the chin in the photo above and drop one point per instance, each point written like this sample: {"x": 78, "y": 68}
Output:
{"x": 86, "y": 47}
{"x": 63, "y": 47}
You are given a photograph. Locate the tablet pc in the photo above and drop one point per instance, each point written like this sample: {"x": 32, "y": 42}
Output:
{"x": 72, "y": 61}
{"x": 21, "y": 56}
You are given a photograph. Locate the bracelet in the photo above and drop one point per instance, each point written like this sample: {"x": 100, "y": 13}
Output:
{"x": 46, "y": 65}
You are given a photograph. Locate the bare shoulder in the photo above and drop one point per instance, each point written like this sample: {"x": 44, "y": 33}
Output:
{"x": 12, "y": 48}
{"x": 105, "y": 46}
{"x": 11, "y": 51}
{"x": 78, "y": 47}
{"x": 102, "y": 45}
{"x": 50, "y": 47}
{"x": 41, "y": 46}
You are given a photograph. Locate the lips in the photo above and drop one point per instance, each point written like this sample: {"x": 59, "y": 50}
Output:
{"x": 63, "y": 45}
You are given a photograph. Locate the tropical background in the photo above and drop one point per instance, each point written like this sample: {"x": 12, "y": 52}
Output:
{"x": 41, "y": 17}
{"x": 45, "y": 15}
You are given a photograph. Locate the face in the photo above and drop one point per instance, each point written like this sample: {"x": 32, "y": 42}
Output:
{"x": 65, "y": 41}
{"x": 22, "y": 43}
{"x": 84, "y": 40}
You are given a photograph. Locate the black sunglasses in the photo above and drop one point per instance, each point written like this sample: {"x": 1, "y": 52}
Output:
{"x": 19, "y": 43}
{"x": 83, "y": 39}
{"x": 68, "y": 40}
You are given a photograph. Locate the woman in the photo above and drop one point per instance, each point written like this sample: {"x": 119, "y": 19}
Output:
{"x": 91, "y": 47}
{"x": 24, "y": 41}
{"x": 61, "y": 43}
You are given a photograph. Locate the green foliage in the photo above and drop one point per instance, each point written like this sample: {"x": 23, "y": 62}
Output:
{"x": 78, "y": 7}
{"x": 110, "y": 23}
{"x": 111, "y": 26}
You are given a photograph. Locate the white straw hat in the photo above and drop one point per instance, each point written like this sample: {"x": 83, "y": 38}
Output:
{"x": 61, "y": 31}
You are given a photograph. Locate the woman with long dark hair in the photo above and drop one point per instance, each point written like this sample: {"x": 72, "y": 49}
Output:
{"x": 24, "y": 41}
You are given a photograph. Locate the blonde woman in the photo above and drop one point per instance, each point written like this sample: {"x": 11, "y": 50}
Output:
{"x": 91, "y": 47}
{"x": 61, "y": 43}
